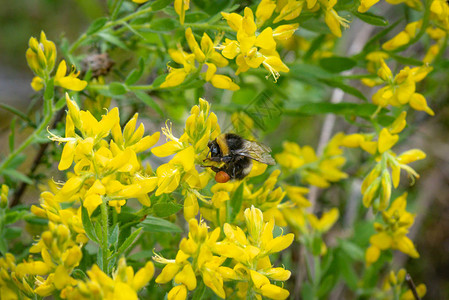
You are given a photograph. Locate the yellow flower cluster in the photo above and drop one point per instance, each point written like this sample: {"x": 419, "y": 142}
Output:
{"x": 403, "y": 37}
{"x": 318, "y": 171}
{"x": 190, "y": 149}
{"x": 291, "y": 9}
{"x": 60, "y": 255}
{"x": 103, "y": 172}
{"x": 251, "y": 48}
{"x": 392, "y": 287}
{"x": 123, "y": 285}
{"x": 365, "y": 5}
{"x": 401, "y": 89}
{"x": 440, "y": 14}
{"x": 204, "y": 55}
{"x": 376, "y": 187}
{"x": 41, "y": 58}
{"x": 250, "y": 267}
{"x": 393, "y": 233}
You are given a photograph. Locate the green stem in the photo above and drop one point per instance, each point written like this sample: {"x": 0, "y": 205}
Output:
{"x": 205, "y": 26}
{"x": 104, "y": 240}
{"x": 48, "y": 110}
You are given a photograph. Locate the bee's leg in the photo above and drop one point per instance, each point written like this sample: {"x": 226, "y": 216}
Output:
{"x": 224, "y": 159}
{"x": 215, "y": 169}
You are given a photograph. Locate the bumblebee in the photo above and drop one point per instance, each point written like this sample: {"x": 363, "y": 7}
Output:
{"x": 237, "y": 155}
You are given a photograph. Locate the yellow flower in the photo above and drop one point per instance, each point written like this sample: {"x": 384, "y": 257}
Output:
{"x": 393, "y": 235}
{"x": 332, "y": 19}
{"x": 251, "y": 50}
{"x": 70, "y": 82}
{"x": 180, "y": 7}
{"x": 365, "y": 5}
{"x": 318, "y": 171}
{"x": 204, "y": 53}
{"x": 400, "y": 90}
{"x": 41, "y": 56}
{"x": 403, "y": 37}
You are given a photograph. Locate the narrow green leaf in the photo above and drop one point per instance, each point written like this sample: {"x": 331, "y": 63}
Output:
{"x": 406, "y": 60}
{"x": 16, "y": 175}
{"x": 352, "y": 250}
{"x": 347, "y": 271}
{"x": 316, "y": 43}
{"x": 15, "y": 112}
{"x": 12, "y": 134}
{"x": 128, "y": 242}
{"x": 113, "y": 237}
{"x": 96, "y": 25}
{"x": 325, "y": 286}
{"x": 337, "y": 64}
{"x": 163, "y": 25}
{"x": 344, "y": 87}
{"x": 148, "y": 100}
{"x": 160, "y": 4}
{"x": 371, "y": 18}
{"x": 307, "y": 291}
{"x": 199, "y": 291}
{"x": 154, "y": 224}
{"x": 12, "y": 232}
{"x": 117, "y": 88}
{"x": 49, "y": 90}
{"x": 236, "y": 202}
{"x": 135, "y": 74}
{"x": 79, "y": 274}
{"x": 316, "y": 245}
{"x": 372, "y": 42}
{"x": 166, "y": 209}
{"x": 3, "y": 246}
{"x": 87, "y": 224}
{"x": 113, "y": 40}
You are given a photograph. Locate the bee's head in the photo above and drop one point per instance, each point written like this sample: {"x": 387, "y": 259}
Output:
{"x": 214, "y": 148}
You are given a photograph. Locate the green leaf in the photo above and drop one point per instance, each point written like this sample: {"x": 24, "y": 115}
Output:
{"x": 96, "y": 25}
{"x": 164, "y": 25}
{"x": 316, "y": 43}
{"x": 352, "y": 250}
{"x": 49, "y": 91}
{"x": 117, "y": 88}
{"x": 154, "y": 224}
{"x": 113, "y": 40}
{"x": 12, "y": 134}
{"x": 16, "y": 175}
{"x": 325, "y": 286}
{"x": 128, "y": 242}
{"x": 148, "y": 100}
{"x": 3, "y": 246}
{"x": 371, "y": 18}
{"x": 316, "y": 245}
{"x": 166, "y": 209}
{"x": 347, "y": 271}
{"x": 16, "y": 112}
{"x": 372, "y": 42}
{"x": 12, "y": 216}
{"x": 307, "y": 291}
{"x": 79, "y": 274}
{"x": 135, "y": 74}
{"x": 344, "y": 87}
{"x": 87, "y": 224}
{"x": 195, "y": 17}
{"x": 406, "y": 60}
{"x": 199, "y": 291}
{"x": 342, "y": 108}
{"x": 236, "y": 202}
{"x": 337, "y": 64}
{"x": 12, "y": 232}
{"x": 113, "y": 236}
{"x": 160, "y": 4}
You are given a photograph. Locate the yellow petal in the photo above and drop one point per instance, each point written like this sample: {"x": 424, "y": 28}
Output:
{"x": 386, "y": 140}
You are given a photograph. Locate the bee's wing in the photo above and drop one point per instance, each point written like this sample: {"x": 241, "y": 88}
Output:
{"x": 256, "y": 151}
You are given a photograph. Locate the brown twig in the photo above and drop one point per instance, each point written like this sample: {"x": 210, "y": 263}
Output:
{"x": 412, "y": 286}
{"x": 36, "y": 162}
